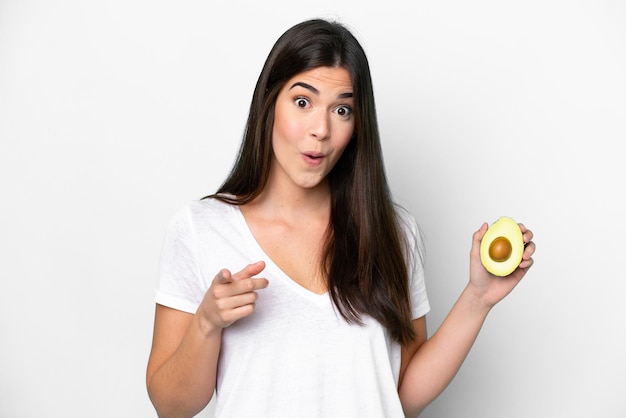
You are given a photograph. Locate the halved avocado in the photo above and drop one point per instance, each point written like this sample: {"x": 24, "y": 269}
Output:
{"x": 502, "y": 247}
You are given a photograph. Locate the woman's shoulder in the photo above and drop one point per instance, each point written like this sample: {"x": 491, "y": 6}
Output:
{"x": 406, "y": 220}
{"x": 200, "y": 212}
{"x": 210, "y": 205}
{"x": 411, "y": 229}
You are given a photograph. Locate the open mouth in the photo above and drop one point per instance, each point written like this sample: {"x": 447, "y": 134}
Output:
{"x": 314, "y": 155}
{"x": 313, "y": 158}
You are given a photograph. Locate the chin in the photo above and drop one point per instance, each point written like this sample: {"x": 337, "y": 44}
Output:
{"x": 310, "y": 183}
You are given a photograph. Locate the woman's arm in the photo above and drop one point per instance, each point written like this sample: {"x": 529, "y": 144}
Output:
{"x": 182, "y": 367}
{"x": 409, "y": 350}
{"x": 436, "y": 362}
{"x": 183, "y": 362}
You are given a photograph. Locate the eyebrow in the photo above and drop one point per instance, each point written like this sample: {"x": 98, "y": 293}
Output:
{"x": 316, "y": 91}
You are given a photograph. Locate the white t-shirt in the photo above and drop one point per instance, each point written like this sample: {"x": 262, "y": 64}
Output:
{"x": 295, "y": 355}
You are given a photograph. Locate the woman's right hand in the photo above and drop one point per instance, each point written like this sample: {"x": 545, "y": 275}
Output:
{"x": 231, "y": 296}
{"x": 182, "y": 368}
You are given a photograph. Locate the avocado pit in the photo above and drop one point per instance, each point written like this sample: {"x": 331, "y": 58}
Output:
{"x": 500, "y": 249}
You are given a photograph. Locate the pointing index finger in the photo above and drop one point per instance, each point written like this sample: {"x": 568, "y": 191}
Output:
{"x": 248, "y": 271}
{"x": 247, "y": 275}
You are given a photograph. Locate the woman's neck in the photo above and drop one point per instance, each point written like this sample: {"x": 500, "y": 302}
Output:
{"x": 293, "y": 203}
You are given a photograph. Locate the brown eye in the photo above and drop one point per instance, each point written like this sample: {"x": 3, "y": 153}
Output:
{"x": 302, "y": 102}
{"x": 344, "y": 111}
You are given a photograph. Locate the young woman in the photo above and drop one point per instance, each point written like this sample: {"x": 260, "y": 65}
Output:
{"x": 297, "y": 289}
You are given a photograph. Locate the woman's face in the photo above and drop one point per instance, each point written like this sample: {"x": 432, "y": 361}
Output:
{"x": 313, "y": 124}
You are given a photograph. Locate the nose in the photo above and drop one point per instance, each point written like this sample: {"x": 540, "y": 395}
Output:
{"x": 320, "y": 125}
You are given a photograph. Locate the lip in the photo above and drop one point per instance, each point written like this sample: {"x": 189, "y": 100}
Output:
{"x": 313, "y": 158}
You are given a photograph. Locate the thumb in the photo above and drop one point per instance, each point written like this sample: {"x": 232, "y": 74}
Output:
{"x": 223, "y": 277}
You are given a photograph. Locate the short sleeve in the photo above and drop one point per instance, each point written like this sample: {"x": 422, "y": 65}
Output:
{"x": 420, "y": 304}
{"x": 179, "y": 283}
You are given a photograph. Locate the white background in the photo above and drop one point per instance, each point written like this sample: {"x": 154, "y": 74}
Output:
{"x": 113, "y": 114}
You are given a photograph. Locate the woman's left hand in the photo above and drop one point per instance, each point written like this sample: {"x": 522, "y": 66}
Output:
{"x": 492, "y": 289}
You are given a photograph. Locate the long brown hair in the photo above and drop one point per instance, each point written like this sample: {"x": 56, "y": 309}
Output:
{"x": 365, "y": 249}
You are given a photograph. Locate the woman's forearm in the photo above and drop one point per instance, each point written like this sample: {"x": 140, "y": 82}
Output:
{"x": 184, "y": 384}
{"x": 438, "y": 360}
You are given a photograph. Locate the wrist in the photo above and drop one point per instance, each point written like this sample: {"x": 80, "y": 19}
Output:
{"x": 475, "y": 300}
{"x": 207, "y": 328}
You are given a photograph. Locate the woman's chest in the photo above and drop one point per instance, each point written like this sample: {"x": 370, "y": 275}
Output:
{"x": 297, "y": 250}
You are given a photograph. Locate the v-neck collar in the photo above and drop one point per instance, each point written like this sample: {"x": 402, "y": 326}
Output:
{"x": 269, "y": 263}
